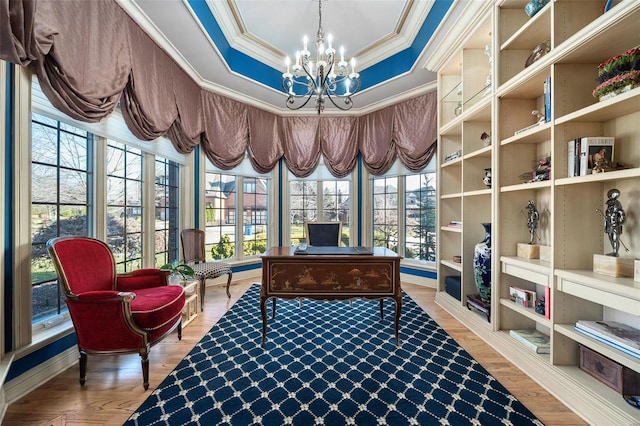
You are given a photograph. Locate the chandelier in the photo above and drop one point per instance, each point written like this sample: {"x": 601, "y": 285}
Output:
{"x": 324, "y": 79}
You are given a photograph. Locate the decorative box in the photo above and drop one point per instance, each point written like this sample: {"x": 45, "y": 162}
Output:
{"x": 618, "y": 377}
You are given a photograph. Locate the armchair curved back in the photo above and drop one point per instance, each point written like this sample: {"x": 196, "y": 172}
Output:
{"x": 83, "y": 264}
{"x": 192, "y": 245}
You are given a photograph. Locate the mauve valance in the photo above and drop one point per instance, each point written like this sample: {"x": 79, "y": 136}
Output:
{"x": 148, "y": 104}
{"x": 83, "y": 59}
{"x": 90, "y": 55}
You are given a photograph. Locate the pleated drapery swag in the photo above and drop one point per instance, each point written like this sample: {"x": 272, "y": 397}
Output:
{"x": 90, "y": 56}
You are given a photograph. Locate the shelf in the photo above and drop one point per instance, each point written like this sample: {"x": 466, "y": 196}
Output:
{"x": 536, "y": 28}
{"x": 451, "y": 229}
{"x": 534, "y": 270}
{"x": 527, "y": 312}
{"x": 600, "y": 347}
{"x": 452, "y": 265}
{"x": 526, "y": 186}
{"x": 622, "y": 294}
{"x": 484, "y": 152}
{"x": 537, "y": 134}
{"x": 477, "y": 192}
{"x": 623, "y": 104}
{"x": 600, "y": 177}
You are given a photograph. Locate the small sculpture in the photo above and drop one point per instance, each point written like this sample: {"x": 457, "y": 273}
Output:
{"x": 540, "y": 306}
{"x": 614, "y": 218}
{"x": 485, "y": 138}
{"x": 533, "y": 217}
{"x": 538, "y": 115}
{"x": 487, "y": 177}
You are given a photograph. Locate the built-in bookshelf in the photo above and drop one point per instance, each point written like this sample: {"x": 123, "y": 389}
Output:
{"x": 579, "y": 36}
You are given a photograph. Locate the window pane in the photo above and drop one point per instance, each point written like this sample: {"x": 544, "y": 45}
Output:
{"x": 166, "y": 211}
{"x": 73, "y": 186}
{"x": 420, "y": 205}
{"x": 385, "y": 213}
{"x": 124, "y": 206}
{"x": 44, "y": 184}
{"x": 44, "y": 144}
{"x": 220, "y": 207}
{"x": 59, "y": 203}
{"x": 255, "y": 216}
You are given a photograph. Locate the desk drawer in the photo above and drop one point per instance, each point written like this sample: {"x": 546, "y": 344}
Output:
{"x": 330, "y": 277}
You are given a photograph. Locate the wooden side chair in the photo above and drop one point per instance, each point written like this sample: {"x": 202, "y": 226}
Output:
{"x": 112, "y": 313}
{"x": 194, "y": 255}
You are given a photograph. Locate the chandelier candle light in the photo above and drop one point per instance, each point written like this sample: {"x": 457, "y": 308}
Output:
{"x": 323, "y": 79}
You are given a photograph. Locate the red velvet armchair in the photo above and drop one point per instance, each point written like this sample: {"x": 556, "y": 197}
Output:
{"x": 114, "y": 313}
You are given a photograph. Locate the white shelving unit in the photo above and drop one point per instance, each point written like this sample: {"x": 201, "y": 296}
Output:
{"x": 580, "y": 37}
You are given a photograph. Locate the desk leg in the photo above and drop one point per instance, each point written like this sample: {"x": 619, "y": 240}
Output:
{"x": 263, "y": 312}
{"x": 398, "y": 300}
{"x": 381, "y": 309}
{"x": 273, "y": 308}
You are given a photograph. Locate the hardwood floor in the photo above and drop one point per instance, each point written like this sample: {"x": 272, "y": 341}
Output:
{"x": 114, "y": 384}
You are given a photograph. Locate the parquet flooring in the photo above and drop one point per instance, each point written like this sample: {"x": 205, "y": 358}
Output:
{"x": 114, "y": 384}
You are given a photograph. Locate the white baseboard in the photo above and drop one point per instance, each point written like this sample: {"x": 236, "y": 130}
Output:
{"x": 35, "y": 377}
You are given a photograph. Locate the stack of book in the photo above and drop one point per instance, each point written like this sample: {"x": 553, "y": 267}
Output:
{"x": 523, "y": 297}
{"x": 533, "y": 339}
{"x": 583, "y": 153}
{"x": 621, "y": 336}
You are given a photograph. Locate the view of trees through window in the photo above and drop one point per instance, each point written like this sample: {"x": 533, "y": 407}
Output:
{"x": 412, "y": 197}
{"x": 60, "y": 194}
{"x": 166, "y": 212}
{"x": 304, "y": 206}
{"x": 124, "y": 205}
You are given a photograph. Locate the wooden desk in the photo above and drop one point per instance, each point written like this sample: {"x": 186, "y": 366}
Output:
{"x": 330, "y": 277}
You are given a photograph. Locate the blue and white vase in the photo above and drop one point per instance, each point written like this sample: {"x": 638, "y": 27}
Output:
{"x": 482, "y": 265}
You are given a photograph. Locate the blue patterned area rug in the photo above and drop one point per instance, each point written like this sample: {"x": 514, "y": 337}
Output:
{"x": 329, "y": 363}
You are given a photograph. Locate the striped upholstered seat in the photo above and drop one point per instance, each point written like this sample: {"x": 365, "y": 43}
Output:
{"x": 194, "y": 255}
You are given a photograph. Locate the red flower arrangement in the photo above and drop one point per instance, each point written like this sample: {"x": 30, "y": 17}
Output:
{"x": 618, "y": 72}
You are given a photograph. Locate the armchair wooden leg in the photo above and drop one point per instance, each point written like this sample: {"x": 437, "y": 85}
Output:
{"x": 83, "y": 367}
{"x": 202, "y": 290}
{"x": 144, "y": 355}
{"x": 228, "y": 284}
{"x": 180, "y": 330}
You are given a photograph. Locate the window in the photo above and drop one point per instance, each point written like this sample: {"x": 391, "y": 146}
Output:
{"x": 404, "y": 213}
{"x": 226, "y": 237}
{"x": 420, "y": 213}
{"x": 254, "y": 206}
{"x": 220, "y": 216}
{"x": 166, "y": 211}
{"x": 61, "y": 189}
{"x": 124, "y": 205}
{"x": 304, "y": 207}
{"x": 385, "y": 212}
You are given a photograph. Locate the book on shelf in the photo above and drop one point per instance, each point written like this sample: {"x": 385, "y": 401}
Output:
{"x": 618, "y": 335}
{"x": 523, "y": 297}
{"x": 547, "y": 99}
{"x": 573, "y": 158}
{"x": 592, "y": 149}
{"x": 533, "y": 339}
{"x": 547, "y": 302}
{"x": 455, "y": 224}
